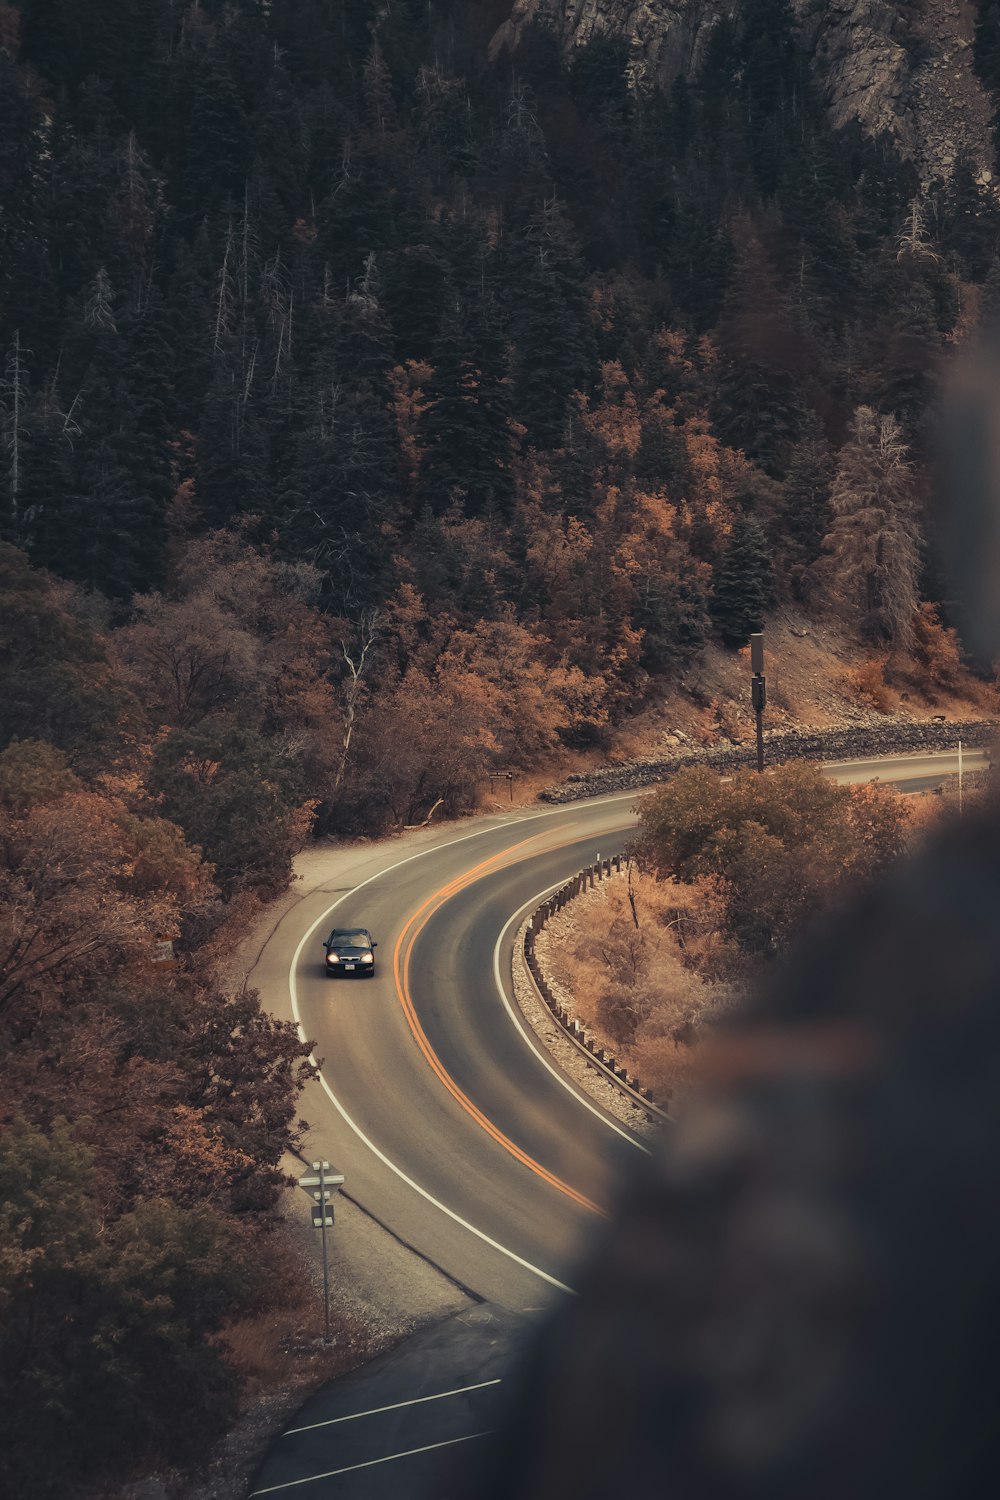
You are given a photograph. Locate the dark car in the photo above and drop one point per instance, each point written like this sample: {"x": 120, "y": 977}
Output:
{"x": 350, "y": 950}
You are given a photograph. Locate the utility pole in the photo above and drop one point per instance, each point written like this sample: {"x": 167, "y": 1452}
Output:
{"x": 960, "y": 778}
{"x": 758, "y": 691}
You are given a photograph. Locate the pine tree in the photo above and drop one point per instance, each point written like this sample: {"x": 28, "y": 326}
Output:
{"x": 699, "y": 258}
{"x": 742, "y": 588}
{"x": 231, "y": 471}
{"x": 218, "y": 147}
{"x": 362, "y": 341}
{"x": 805, "y": 514}
{"x": 771, "y": 81}
{"x": 380, "y": 107}
{"x": 50, "y": 431}
{"x": 553, "y": 340}
{"x": 341, "y": 496}
{"x": 465, "y": 429}
{"x": 24, "y": 175}
{"x": 874, "y": 541}
{"x": 14, "y": 396}
{"x": 972, "y": 227}
{"x": 909, "y": 366}
{"x": 683, "y": 121}
{"x": 756, "y": 405}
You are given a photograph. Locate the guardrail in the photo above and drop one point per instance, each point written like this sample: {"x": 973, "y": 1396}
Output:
{"x": 592, "y": 1050}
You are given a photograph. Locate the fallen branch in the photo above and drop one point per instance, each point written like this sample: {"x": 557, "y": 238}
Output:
{"x": 408, "y": 826}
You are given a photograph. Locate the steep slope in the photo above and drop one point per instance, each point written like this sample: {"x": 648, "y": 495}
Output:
{"x": 905, "y": 69}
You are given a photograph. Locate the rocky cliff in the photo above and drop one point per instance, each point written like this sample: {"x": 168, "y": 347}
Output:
{"x": 901, "y": 68}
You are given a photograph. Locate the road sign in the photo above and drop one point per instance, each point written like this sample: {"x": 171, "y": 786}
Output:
{"x": 321, "y": 1184}
{"x": 321, "y": 1177}
{"x": 329, "y": 1179}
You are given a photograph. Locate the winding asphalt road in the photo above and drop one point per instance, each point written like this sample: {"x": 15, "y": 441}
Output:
{"x": 450, "y": 1122}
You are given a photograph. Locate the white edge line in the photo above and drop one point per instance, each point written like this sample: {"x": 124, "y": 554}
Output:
{"x": 294, "y": 996}
{"x": 388, "y": 1458}
{"x": 536, "y": 1047}
{"x": 376, "y": 1411}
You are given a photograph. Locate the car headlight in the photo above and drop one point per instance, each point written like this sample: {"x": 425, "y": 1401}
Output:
{"x": 332, "y": 958}
{"x": 368, "y": 958}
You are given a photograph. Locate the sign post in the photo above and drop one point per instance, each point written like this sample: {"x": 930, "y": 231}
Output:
{"x": 321, "y": 1186}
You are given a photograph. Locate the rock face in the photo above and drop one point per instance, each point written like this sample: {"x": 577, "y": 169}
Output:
{"x": 901, "y": 68}
{"x": 665, "y": 36}
{"x": 906, "y": 70}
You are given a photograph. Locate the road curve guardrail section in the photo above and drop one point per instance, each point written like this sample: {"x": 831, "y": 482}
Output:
{"x": 592, "y": 1050}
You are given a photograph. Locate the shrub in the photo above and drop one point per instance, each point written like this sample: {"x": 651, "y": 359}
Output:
{"x": 866, "y": 681}
{"x": 936, "y": 651}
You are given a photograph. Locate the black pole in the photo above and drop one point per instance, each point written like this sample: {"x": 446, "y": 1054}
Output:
{"x": 758, "y": 691}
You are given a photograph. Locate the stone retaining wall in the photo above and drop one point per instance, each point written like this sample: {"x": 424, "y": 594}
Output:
{"x": 850, "y": 742}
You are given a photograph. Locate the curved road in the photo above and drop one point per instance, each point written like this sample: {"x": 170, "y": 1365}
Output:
{"x": 448, "y": 1119}
{"x": 452, "y": 1125}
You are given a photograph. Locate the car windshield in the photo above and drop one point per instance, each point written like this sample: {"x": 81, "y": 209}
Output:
{"x": 357, "y": 942}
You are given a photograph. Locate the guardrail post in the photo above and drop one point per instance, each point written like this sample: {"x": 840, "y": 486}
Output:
{"x": 584, "y": 880}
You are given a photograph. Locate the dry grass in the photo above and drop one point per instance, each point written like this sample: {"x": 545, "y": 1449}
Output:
{"x": 644, "y": 979}
{"x": 282, "y": 1349}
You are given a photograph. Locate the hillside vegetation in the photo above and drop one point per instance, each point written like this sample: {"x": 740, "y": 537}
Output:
{"x": 549, "y": 381}
{"x": 719, "y": 880}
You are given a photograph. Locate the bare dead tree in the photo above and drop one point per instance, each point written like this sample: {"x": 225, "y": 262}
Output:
{"x": 357, "y": 657}
{"x": 913, "y": 240}
{"x": 631, "y": 895}
{"x": 224, "y": 299}
{"x": 99, "y": 311}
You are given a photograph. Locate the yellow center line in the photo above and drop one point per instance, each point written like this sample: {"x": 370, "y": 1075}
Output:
{"x": 401, "y": 974}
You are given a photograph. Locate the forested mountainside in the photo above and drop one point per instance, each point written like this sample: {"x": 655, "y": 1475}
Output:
{"x": 478, "y": 342}
{"x": 903, "y": 67}
{"x": 377, "y": 413}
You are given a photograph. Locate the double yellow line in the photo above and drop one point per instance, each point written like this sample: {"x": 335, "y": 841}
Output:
{"x": 401, "y": 957}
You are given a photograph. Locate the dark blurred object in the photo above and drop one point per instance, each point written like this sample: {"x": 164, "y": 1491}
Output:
{"x": 967, "y": 519}
{"x": 801, "y": 1298}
